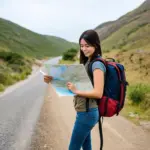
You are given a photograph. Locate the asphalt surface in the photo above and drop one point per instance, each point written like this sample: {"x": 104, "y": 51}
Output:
{"x": 19, "y": 112}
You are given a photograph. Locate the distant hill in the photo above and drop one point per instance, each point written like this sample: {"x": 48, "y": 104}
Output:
{"x": 131, "y": 31}
{"x": 23, "y": 41}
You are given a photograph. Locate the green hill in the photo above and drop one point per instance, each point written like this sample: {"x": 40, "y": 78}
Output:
{"x": 17, "y": 39}
{"x": 20, "y": 47}
{"x": 131, "y": 31}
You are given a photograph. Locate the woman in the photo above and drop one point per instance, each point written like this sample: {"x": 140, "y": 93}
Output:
{"x": 85, "y": 120}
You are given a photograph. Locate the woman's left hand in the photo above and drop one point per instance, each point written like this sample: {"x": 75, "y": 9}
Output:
{"x": 71, "y": 87}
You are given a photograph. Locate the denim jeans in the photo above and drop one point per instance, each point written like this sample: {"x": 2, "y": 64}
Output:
{"x": 81, "y": 135}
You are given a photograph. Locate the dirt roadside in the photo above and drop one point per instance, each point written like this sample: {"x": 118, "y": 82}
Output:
{"x": 53, "y": 130}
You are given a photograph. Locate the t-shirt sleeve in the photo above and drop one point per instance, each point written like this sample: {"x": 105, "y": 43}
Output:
{"x": 98, "y": 65}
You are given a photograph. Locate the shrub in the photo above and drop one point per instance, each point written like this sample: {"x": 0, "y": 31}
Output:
{"x": 16, "y": 77}
{"x": 137, "y": 93}
{"x": 15, "y": 67}
{"x": 23, "y": 76}
{"x": 12, "y": 58}
{"x": 146, "y": 103}
{"x": 26, "y": 69}
{"x": 9, "y": 55}
{"x": 70, "y": 54}
{"x": 2, "y": 88}
{"x": 5, "y": 78}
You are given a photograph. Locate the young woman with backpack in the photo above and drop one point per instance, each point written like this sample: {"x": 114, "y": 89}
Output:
{"x": 85, "y": 103}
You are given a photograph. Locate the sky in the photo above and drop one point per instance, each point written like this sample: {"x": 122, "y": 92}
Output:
{"x": 64, "y": 18}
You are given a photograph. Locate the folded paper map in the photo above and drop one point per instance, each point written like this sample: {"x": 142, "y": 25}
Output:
{"x": 68, "y": 73}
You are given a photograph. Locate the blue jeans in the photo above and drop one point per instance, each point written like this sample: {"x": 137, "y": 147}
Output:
{"x": 81, "y": 135}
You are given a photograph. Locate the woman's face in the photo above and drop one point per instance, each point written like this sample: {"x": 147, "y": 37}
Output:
{"x": 87, "y": 49}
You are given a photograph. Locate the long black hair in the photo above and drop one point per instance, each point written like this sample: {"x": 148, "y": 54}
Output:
{"x": 92, "y": 38}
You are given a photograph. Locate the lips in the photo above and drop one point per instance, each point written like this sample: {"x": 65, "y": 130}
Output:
{"x": 85, "y": 53}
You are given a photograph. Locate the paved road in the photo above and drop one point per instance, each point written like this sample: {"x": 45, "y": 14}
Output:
{"x": 19, "y": 111}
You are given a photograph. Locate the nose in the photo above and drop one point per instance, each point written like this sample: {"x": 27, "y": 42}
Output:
{"x": 83, "y": 49}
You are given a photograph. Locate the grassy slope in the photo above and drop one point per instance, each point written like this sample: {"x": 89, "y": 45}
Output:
{"x": 131, "y": 31}
{"x": 137, "y": 66}
{"x": 13, "y": 67}
{"x": 130, "y": 36}
{"x": 17, "y": 39}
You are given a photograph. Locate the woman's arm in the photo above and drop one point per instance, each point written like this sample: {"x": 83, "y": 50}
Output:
{"x": 97, "y": 92}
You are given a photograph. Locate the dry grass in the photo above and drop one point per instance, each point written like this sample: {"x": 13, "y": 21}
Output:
{"x": 137, "y": 66}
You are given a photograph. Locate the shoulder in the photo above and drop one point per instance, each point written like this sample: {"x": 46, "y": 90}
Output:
{"x": 98, "y": 65}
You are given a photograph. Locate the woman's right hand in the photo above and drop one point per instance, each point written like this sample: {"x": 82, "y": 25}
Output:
{"x": 47, "y": 78}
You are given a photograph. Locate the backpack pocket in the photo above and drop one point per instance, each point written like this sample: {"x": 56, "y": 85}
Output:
{"x": 108, "y": 106}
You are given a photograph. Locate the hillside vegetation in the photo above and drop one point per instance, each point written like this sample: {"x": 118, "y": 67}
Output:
{"x": 13, "y": 68}
{"x": 131, "y": 31}
{"x": 17, "y": 39}
{"x": 20, "y": 47}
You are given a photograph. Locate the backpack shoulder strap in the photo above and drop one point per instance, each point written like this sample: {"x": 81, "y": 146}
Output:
{"x": 90, "y": 66}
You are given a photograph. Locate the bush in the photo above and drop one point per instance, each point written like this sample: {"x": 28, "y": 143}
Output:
{"x": 16, "y": 77}
{"x": 146, "y": 103}
{"x": 26, "y": 69}
{"x": 23, "y": 76}
{"x": 70, "y": 54}
{"x": 15, "y": 68}
{"x": 12, "y": 58}
{"x": 5, "y": 78}
{"x": 2, "y": 88}
{"x": 137, "y": 93}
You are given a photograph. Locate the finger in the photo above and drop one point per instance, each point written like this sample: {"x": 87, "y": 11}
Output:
{"x": 50, "y": 77}
{"x": 46, "y": 77}
{"x": 46, "y": 80}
